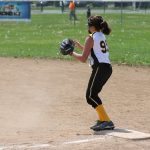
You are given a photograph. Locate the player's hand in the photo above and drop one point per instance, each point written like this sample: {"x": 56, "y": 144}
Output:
{"x": 77, "y": 44}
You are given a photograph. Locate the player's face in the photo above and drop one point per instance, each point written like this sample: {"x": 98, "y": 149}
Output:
{"x": 91, "y": 29}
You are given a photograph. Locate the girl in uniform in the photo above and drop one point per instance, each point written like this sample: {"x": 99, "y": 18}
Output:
{"x": 96, "y": 49}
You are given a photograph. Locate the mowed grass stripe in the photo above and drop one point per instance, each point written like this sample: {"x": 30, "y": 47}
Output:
{"x": 128, "y": 43}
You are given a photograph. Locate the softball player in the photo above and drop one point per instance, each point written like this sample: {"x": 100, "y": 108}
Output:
{"x": 96, "y": 49}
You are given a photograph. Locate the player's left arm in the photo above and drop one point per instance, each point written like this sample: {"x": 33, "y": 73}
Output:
{"x": 86, "y": 50}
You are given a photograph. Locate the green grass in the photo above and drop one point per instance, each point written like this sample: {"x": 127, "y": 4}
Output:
{"x": 128, "y": 43}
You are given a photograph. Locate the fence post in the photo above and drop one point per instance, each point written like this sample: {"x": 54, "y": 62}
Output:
{"x": 121, "y": 12}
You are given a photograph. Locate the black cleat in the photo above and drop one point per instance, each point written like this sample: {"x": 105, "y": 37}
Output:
{"x": 98, "y": 122}
{"x": 105, "y": 125}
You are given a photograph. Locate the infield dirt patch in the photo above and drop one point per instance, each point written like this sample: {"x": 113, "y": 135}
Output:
{"x": 43, "y": 101}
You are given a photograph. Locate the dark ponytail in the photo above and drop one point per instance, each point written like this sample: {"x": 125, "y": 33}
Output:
{"x": 99, "y": 24}
{"x": 105, "y": 28}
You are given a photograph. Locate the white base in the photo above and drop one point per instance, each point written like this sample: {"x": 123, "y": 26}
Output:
{"x": 125, "y": 133}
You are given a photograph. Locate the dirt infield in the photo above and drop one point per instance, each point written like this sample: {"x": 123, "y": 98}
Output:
{"x": 43, "y": 102}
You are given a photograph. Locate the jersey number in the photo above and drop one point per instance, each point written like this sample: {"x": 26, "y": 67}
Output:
{"x": 104, "y": 46}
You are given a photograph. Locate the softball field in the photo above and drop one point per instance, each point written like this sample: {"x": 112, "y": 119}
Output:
{"x": 43, "y": 106}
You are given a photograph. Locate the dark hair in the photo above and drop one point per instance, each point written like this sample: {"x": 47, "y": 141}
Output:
{"x": 99, "y": 24}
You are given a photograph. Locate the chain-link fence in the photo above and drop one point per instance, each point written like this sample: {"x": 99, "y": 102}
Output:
{"x": 102, "y": 6}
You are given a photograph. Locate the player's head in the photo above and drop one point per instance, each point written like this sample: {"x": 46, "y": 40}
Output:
{"x": 96, "y": 23}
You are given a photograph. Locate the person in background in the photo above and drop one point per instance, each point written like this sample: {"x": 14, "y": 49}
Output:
{"x": 62, "y": 6}
{"x": 72, "y": 10}
{"x": 88, "y": 12}
{"x": 41, "y": 2}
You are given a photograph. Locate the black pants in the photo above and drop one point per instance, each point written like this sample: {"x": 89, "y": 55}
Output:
{"x": 100, "y": 75}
